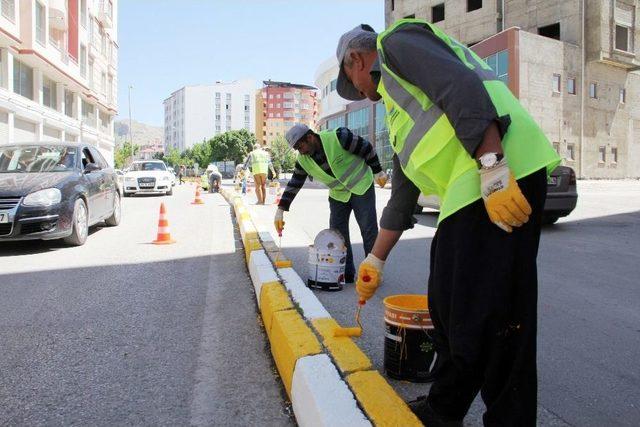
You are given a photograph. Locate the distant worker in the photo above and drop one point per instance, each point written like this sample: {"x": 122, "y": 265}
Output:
{"x": 259, "y": 161}
{"x": 459, "y": 133}
{"x": 346, "y": 163}
{"x": 180, "y": 173}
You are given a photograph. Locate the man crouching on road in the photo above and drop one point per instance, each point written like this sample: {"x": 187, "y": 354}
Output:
{"x": 346, "y": 163}
{"x": 489, "y": 170}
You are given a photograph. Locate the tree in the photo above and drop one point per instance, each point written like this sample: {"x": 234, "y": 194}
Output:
{"x": 173, "y": 158}
{"x": 201, "y": 153}
{"x": 282, "y": 156}
{"x": 124, "y": 154}
{"x": 232, "y": 145}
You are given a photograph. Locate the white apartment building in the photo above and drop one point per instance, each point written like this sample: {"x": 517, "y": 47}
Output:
{"x": 193, "y": 114}
{"x": 326, "y": 78}
{"x": 58, "y": 71}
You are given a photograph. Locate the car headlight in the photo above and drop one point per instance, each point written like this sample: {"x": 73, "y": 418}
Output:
{"x": 48, "y": 197}
{"x": 129, "y": 179}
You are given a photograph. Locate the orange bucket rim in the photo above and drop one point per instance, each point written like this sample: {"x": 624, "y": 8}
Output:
{"x": 391, "y": 302}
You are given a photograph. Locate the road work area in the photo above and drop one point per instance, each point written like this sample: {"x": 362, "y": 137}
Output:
{"x": 588, "y": 333}
{"x": 123, "y": 332}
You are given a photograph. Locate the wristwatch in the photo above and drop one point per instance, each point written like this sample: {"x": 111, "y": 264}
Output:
{"x": 489, "y": 160}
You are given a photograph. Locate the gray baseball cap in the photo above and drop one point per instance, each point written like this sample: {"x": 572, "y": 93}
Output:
{"x": 345, "y": 88}
{"x": 294, "y": 134}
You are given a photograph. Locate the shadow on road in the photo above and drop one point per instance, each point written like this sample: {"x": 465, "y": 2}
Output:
{"x": 31, "y": 247}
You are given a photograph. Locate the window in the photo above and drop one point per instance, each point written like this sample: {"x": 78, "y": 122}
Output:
{"x": 22, "y": 79}
{"x": 622, "y": 38}
{"x": 49, "y": 95}
{"x": 288, "y": 95}
{"x": 277, "y": 105}
{"x": 556, "y": 146}
{"x": 41, "y": 27}
{"x": 217, "y": 95}
{"x": 474, "y": 5}
{"x": 437, "y": 13}
{"x": 556, "y": 83}
{"x": 287, "y": 104}
{"x": 91, "y": 73}
{"x": 104, "y": 120}
{"x": 571, "y": 155}
{"x": 9, "y": 9}
{"x": 552, "y": 31}
{"x": 602, "y": 154}
{"x": 270, "y": 115}
{"x": 622, "y": 97}
{"x": 593, "y": 90}
{"x": 83, "y": 13}
{"x": 88, "y": 113}
{"x": 270, "y": 96}
{"x": 499, "y": 62}
{"x": 571, "y": 85}
{"x": 69, "y": 103}
{"x": 358, "y": 122}
{"x": 246, "y": 108}
{"x": 614, "y": 154}
{"x": 287, "y": 114}
{"x": 278, "y": 96}
{"x": 333, "y": 85}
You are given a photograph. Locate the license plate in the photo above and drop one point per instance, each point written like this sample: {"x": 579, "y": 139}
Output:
{"x": 147, "y": 184}
{"x": 4, "y": 217}
{"x": 553, "y": 180}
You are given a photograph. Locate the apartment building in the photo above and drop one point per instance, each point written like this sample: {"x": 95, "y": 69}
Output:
{"x": 573, "y": 64}
{"x": 59, "y": 71}
{"x": 280, "y": 106}
{"x": 196, "y": 113}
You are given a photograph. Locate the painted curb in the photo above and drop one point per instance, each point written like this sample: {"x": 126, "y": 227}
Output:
{"x": 329, "y": 380}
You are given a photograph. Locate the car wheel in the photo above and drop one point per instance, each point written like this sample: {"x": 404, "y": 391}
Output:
{"x": 114, "y": 219}
{"x": 549, "y": 219}
{"x": 80, "y": 225}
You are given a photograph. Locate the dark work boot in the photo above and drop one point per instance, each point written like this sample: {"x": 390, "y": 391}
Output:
{"x": 428, "y": 417}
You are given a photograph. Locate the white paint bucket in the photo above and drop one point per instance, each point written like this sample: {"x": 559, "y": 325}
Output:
{"x": 327, "y": 258}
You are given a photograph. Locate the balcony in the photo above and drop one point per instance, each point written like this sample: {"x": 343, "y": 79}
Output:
{"x": 105, "y": 13}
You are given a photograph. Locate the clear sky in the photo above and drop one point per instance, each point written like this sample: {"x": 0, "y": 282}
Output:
{"x": 167, "y": 44}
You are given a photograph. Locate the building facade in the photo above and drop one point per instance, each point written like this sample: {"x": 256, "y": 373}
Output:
{"x": 572, "y": 63}
{"x": 59, "y": 71}
{"x": 196, "y": 113}
{"x": 280, "y": 105}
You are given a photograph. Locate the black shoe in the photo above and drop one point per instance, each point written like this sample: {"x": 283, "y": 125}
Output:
{"x": 349, "y": 278}
{"x": 427, "y": 415}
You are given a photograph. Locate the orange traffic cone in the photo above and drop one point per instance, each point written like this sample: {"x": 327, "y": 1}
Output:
{"x": 197, "y": 200}
{"x": 164, "y": 236}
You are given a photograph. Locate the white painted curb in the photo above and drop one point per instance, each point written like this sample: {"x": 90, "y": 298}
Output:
{"x": 321, "y": 398}
{"x": 261, "y": 271}
{"x": 310, "y": 305}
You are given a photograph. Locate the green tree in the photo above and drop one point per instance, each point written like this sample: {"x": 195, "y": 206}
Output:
{"x": 201, "y": 153}
{"x": 173, "y": 158}
{"x": 124, "y": 154}
{"x": 232, "y": 145}
{"x": 282, "y": 156}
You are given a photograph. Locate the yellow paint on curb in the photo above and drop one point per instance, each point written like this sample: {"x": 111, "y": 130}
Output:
{"x": 380, "y": 402}
{"x": 273, "y": 298}
{"x": 249, "y": 246}
{"x": 291, "y": 339}
{"x": 344, "y": 351}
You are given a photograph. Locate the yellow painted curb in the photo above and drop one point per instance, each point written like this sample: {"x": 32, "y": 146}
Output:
{"x": 273, "y": 298}
{"x": 291, "y": 339}
{"x": 379, "y": 400}
{"x": 344, "y": 351}
{"x": 249, "y": 246}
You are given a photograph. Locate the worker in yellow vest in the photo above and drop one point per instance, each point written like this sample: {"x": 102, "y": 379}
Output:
{"x": 259, "y": 161}
{"x": 348, "y": 165}
{"x": 458, "y": 132}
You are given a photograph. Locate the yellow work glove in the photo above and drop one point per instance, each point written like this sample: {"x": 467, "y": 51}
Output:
{"x": 369, "y": 277}
{"x": 506, "y": 205}
{"x": 381, "y": 178}
{"x": 278, "y": 221}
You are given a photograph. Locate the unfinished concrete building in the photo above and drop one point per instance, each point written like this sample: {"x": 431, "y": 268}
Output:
{"x": 572, "y": 63}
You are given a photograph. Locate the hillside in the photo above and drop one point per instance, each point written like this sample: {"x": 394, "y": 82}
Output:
{"x": 142, "y": 134}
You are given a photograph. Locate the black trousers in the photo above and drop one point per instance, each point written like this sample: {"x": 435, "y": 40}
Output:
{"x": 483, "y": 292}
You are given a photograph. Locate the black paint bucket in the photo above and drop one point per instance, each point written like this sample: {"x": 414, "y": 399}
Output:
{"x": 408, "y": 346}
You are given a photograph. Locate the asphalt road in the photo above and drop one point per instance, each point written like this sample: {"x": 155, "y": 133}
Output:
{"x": 589, "y": 321}
{"x": 122, "y": 332}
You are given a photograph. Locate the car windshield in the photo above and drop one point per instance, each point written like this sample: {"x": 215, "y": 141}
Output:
{"x": 148, "y": 166}
{"x": 37, "y": 158}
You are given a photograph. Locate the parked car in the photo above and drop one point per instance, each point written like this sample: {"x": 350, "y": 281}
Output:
{"x": 562, "y": 196}
{"x": 55, "y": 190}
{"x": 173, "y": 175}
{"x": 148, "y": 176}
{"x": 120, "y": 177}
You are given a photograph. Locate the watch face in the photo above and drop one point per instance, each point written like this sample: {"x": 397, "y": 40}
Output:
{"x": 488, "y": 160}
